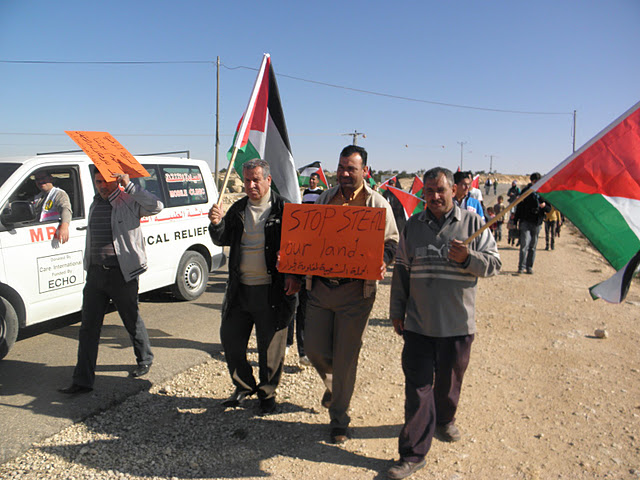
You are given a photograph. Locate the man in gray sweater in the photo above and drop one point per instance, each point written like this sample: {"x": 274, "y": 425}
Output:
{"x": 433, "y": 307}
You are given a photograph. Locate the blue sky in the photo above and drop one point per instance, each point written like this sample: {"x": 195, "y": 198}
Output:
{"x": 543, "y": 56}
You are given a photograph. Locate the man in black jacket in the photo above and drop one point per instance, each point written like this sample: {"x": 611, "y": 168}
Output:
{"x": 529, "y": 214}
{"x": 257, "y": 294}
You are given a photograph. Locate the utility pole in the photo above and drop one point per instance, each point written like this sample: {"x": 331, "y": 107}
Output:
{"x": 490, "y": 162}
{"x": 355, "y": 135}
{"x": 461, "y": 155}
{"x": 217, "y": 120}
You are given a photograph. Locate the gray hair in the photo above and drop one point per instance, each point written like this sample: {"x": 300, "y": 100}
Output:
{"x": 435, "y": 173}
{"x": 255, "y": 163}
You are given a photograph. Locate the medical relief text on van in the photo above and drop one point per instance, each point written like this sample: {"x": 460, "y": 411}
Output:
{"x": 60, "y": 271}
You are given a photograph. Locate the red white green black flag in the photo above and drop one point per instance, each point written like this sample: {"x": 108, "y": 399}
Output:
{"x": 262, "y": 133}
{"x": 598, "y": 189}
{"x": 306, "y": 171}
{"x": 410, "y": 203}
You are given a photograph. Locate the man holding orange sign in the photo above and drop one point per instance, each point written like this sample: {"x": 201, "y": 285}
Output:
{"x": 338, "y": 308}
{"x": 114, "y": 258}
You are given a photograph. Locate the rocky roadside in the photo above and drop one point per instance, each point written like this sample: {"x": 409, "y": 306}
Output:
{"x": 543, "y": 398}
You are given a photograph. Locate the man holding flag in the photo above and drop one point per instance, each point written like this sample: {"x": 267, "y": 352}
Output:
{"x": 432, "y": 306}
{"x": 257, "y": 294}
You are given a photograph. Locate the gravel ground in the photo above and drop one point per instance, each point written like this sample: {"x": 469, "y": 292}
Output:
{"x": 543, "y": 398}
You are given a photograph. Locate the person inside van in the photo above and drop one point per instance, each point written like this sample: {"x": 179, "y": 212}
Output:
{"x": 52, "y": 203}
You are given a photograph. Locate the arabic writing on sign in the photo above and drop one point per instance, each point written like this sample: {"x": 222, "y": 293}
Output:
{"x": 108, "y": 155}
{"x": 332, "y": 241}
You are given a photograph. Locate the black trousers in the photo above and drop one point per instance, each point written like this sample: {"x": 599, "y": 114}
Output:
{"x": 430, "y": 402}
{"x": 102, "y": 286}
{"x": 251, "y": 307}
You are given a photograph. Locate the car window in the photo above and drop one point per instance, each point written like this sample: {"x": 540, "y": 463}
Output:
{"x": 150, "y": 183}
{"x": 6, "y": 170}
{"x": 64, "y": 178}
{"x": 185, "y": 185}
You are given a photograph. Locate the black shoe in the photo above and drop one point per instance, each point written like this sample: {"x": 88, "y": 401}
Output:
{"x": 139, "y": 371}
{"x": 339, "y": 435}
{"x": 448, "y": 433}
{"x": 402, "y": 469}
{"x": 326, "y": 399}
{"x": 267, "y": 406}
{"x": 530, "y": 271}
{"x": 75, "y": 389}
{"x": 236, "y": 399}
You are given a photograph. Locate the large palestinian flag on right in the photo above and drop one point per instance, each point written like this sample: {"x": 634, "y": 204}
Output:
{"x": 598, "y": 189}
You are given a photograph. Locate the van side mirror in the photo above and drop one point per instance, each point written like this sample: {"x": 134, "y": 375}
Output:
{"x": 19, "y": 211}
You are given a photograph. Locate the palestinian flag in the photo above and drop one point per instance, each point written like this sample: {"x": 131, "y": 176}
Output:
{"x": 410, "y": 203}
{"x": 262, "y": 133}
{"x": 384, "y": 185}
{"x": 306, "y": 171}
{"x": 616, "y": 288}
{"x": 475, "y": 183}
{"x": 598, "y": 189}
{"x": 368, "y": 176}
{"x": 416, "y": 186}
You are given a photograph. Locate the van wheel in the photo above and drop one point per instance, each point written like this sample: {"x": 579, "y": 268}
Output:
{"x": 192, "y": 276}
{"x": 8, "y": 326}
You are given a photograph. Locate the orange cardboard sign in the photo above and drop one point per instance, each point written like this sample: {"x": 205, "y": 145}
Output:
{"x": 332, "y": 241}
{"x": 109, "y": 156}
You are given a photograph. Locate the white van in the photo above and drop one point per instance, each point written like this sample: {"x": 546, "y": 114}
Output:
{"x": 41, "y": 279}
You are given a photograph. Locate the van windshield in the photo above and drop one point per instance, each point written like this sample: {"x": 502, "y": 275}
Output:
{"x": 6, "y": 170}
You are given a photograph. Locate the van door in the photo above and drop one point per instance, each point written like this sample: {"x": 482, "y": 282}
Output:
{"x": 48, "y": 275}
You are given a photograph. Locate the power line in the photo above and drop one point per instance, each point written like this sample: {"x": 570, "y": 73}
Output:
{"x": 55, "y": 62}
{"x": 292, "y": 77}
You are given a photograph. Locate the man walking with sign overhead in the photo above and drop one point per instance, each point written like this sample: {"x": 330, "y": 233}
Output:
{"x": 338, "y": 308}
{"x": 114, "y": 257}
{"x": 257, "y": 294}
{"x": 433, "y": 307}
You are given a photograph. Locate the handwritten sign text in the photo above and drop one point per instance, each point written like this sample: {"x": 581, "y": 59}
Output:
{"x": 109, "y": 156}
{"x": 332, "y": 241}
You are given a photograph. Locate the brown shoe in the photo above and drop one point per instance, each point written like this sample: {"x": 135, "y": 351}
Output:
{"x": 339, "y": 435}
{"x": 448, "y": 433}
{"x": 402, "y": 469}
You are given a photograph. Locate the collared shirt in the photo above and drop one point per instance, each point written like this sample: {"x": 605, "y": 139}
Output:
{"x": 471, "y": 204}
{"x": 371, "y": 199}
{"x": 357, "y": 198}
{"x": 439, "y": 221}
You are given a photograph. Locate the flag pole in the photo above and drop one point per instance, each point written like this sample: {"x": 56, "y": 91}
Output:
{"x": 227, "y": 175}
{"x": 508, "y": 208}
{"x": 244, "y": 124}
